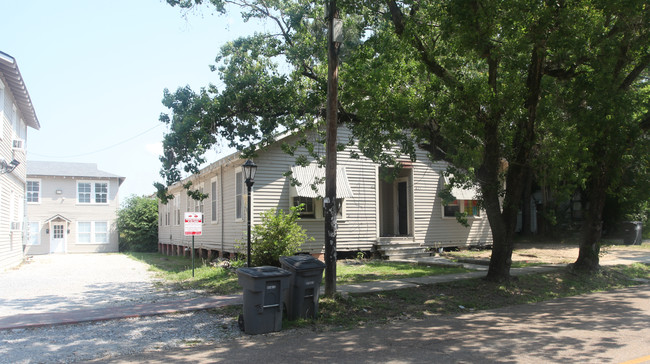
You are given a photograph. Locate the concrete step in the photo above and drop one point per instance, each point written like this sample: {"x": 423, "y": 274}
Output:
{"x": 408, "y": 256}
{"x": 400, "y": 248}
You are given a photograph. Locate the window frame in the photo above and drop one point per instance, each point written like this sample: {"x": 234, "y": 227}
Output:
{"x": 37, "y": 235}
{"x": 93, "y": 192}
{"x": 239, "y": 194}
{"x": 461, "y": 209}
{"x": 214, "y": 200}
{"x": 28, "y": 192}
{"x": 177, "y": 209}
{"x": 92, "y": 234}
{"x": 318, "y": 205}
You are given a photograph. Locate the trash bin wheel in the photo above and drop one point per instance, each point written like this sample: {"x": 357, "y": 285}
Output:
{"x": 240, "y": 321}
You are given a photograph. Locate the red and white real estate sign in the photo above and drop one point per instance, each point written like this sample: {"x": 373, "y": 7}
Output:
{"x": 193, "y": 223}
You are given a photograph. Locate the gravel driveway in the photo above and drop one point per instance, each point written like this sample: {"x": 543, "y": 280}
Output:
{"x": 55, "y": 283}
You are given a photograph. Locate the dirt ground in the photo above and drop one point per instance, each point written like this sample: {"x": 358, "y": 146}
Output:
{"x": 555, "y": 253}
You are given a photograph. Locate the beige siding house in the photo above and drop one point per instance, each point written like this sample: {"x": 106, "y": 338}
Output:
{"x": 403, "y": 216}
{"x": 16, "y": 114}
{"x": 71, "y": 208}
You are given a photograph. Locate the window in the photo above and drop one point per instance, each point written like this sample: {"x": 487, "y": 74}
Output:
{"x": 451, "y": 209}
{"x": 177, "y": 209}
{"x": 83, "y": 192}
{"x": 92, "y": 232}
{"x": 58, "y": 232}
{"x": 239, "y": 195}
{"x": 101, "y": 232}
{"x": 308, "y": 210}
{"x": 101, "y": 192}
{"x": 462, "y": 206}
{"x": 213, "y": 200}
{"x": 313, "y": 208}
{"x": 471, "y": 207}
{"x": 33, "y": 191}
{"x": 92, "y": 192}
{"x": 16, "y": 211}
{"x": 34, "y": 237}
{"x": 84, "y": 232}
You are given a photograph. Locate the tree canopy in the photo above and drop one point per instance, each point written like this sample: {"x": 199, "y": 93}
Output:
{"x": 471, "y": 82}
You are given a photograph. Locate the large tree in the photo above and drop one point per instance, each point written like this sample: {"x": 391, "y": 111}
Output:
{"x": 605, "y": 99}
{"x": 464, "y": 80}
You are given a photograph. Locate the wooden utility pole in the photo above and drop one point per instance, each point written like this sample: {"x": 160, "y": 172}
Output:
{"x": 329, "y": 203}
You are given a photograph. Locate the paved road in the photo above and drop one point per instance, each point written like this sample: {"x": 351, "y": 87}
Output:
{"x": 609, "y": 327}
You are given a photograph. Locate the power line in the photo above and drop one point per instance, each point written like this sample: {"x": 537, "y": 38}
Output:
{"x": 98, "y": 150}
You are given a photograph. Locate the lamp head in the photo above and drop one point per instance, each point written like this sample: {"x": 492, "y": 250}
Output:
{"x": 249, "y": 171}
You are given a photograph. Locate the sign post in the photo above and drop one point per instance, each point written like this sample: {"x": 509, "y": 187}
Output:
{"x": 193, "y": 226}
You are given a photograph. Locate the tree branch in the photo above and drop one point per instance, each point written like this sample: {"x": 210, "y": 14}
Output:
{"x": 435, "y": 67}
{"x": 635, "y": 73}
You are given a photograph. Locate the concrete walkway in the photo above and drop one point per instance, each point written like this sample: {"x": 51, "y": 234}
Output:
{"x": 30, "y": 320}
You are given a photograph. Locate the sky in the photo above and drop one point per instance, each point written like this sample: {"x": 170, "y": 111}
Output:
{"x": 96, "y": 71}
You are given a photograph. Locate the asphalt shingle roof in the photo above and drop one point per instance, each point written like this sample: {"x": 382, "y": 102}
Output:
{"x": 67, "y": 169}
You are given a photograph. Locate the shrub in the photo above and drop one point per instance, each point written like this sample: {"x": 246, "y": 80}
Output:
{"x": 278, "y": 235}
{"x": 137, "y": 223}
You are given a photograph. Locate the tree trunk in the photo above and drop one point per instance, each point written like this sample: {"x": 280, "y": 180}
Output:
{"x": 588, "y": 256}
{"x": 329, "y": 203}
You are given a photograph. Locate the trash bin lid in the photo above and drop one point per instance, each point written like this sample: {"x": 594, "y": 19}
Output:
{"x": 263, "y": 272}
{"x": 302, "y": 262}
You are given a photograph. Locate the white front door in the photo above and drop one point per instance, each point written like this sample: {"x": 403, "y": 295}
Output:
{"x": 57, "y": 238}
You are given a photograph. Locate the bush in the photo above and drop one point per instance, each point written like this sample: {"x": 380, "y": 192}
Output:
{"x": 278, "y": 235}
{"x": 137, "y": 223}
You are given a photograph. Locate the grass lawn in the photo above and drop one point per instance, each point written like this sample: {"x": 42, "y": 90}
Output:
{"x": 348, "y": 272}
{"x": 177, "y": 270}
{"x": 353, "y": 310}
{"x": 467, "y": 296}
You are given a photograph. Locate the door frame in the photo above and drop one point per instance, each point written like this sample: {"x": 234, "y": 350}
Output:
{"x": 63, "y": 239}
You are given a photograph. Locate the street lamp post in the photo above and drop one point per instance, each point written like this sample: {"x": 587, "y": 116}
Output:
{"x": 249, "y": 174}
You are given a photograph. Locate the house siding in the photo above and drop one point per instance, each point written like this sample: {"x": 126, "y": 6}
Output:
{"x": 65, "y": 204}
{"x": 11, "y": 240}
{"x": 357, "y": 230}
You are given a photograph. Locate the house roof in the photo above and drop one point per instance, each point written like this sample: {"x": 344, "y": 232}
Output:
{"x": 68, "y": 169}
{"x": 10, "y": 71}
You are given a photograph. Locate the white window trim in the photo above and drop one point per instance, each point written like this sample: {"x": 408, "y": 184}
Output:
{"x": 29, "y": 232}
{"x": 462, "y": 209}
{"x": 318, "y": 210}
{"x": 40, "y": 190}
{"x": 243, "y": 193}
{"x": 93, "y": 194}
{"x": 177, "y": 209}
{"x": 214, "y": 197}
{"x": 93, "y": 231}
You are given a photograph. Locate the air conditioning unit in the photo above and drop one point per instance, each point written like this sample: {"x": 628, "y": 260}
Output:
{"x": 18, "y": 144}
{"x": 16, "y": 225}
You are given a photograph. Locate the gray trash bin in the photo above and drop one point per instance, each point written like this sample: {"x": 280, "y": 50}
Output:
{"x": 632, "y": 232}
{"x": 264, "y": 290}
{"x": 307, "y": 273}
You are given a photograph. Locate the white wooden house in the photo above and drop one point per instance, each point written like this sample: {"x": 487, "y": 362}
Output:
{"x": 16, "y": 115}
{"x": 401, "y": 217}
{"x": 71, "y": 208}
